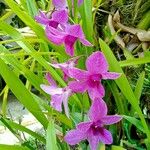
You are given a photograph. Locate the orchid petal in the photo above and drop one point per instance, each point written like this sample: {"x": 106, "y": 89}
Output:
{"x": 93, "y": 141}
{"x": 55, "y": 31}
{"x": 84, "y": 126}
{"x": 105, "y": 136}
{"x": 75, "y": 31}
{"x": 42, "y": 18}
{"x": 59, "y": 4}
{"x": 60, "y": 16}
{"x": 97, "y": 63}
{"x": 77, "y": 86}
{"x": 65, "y": 101}
{"x": 69, "y": 44}
{"x": 85, "y": 42}
{"x": 110, "y": 75}
{"x": 111, "y": 119}
{"x": 51, "y": 89}
{"x": 96, "y": 92}
{"x": 56, "y": 39}
{"x": 50, "y": 80}
{"x": 74, "y": 136}
{"x": 56, "y": 102}
{"x": 98, "y": 110}
{"x": 78, "y": 74}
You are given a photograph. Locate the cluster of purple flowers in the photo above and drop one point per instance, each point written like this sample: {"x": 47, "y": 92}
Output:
{"x": 59, "y": 31}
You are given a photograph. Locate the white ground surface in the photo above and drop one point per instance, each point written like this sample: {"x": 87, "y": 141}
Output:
{"x": 17, "y": 113}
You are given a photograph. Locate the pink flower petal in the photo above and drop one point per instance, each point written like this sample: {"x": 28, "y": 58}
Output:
{"x": 105, "y": 136}
{"x": 84, "y": 126}
{"x": 85, "y": 42}
{"x": 97, "y": 63}
{"x": 55, "y": 31}
{"x": 77, "y": 86}
{"x": 50, "y": 80}
{"x": 42, "y": 18}
{"x": 110, "y": 75}
{"x": 69, "y": 44}
{"x": 98, "y": 110}
{"x": 59, "y": 4}
{"x": 56, "y": 39}
{"x": 75, "y": 31}
{"x": 78, "y": 74}
{"x": 111, "y": 119}
{"x": 60, "y": 16}
{"x": 66, "y": 95}
{"x": 93, "y": 141}
{"x": 96, "y": 92}
{"x": 56, "y": 102}
{"x": 51, "y": 89}
{"x": 74, "y": 137}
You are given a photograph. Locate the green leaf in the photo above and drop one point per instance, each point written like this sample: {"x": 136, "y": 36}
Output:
{"x": 139, "y": 86}
{"x": 32, "y": 8}
{"x": 114, "y": 147}
{"x": 135, "y": 122}
{"x": 22, "y": 94}
{"x": 135, "y": 61}
{"x": 51, "y": 137}
{"x": 12, "y": 147}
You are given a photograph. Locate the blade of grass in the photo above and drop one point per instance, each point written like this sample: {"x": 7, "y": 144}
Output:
{"x": 4, "y": 104}
{"x": 139, "y": 86}
{"x": 123, "y": 84}
{"x": 135, "y": 61}
{"x": 135, "y": 122}
{"x": 22, "y": 94}
{"x": 87, "y": 22}
{"x": 12, "y": 147}
{"x": 34, "y": 79}
{"x": 51, "y": 137}
{"x": 32, "y": 8}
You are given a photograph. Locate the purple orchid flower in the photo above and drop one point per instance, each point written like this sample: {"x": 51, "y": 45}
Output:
{"x": 97, "y": 69}
{"x": 66, "y": 66}
{"x": 94, "y": 130}
{"x": 58, "y": 17}
{"x": 58, "y": 95}
{"x": 68, "y": 36}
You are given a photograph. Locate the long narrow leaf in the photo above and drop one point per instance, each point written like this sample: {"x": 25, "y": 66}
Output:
{"x": 22, "y": 94}
{"x": 51, "y": 137}
{"x": 12, "y": 147}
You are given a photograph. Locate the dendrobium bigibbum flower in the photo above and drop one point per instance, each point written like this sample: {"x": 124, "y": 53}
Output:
{"x": 59, "y": 17}
{"x": 90, "y": 80}
{"x": 59, "y": 96}
{"x": 68, "y": 36}
{"x": 94, "y": 130}
{"x": 66, "y": 66}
